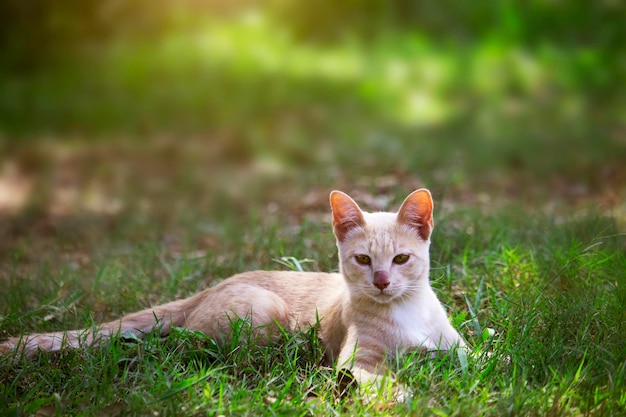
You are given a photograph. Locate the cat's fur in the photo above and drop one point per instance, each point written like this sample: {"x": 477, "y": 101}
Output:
{"x": 380, "y": 303}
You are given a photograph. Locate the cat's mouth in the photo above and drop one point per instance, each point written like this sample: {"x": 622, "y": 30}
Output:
{"x": 382, "y": 296}
{"x": 379, "y": 296}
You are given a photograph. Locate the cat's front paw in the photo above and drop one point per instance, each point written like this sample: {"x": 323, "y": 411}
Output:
{"x": 380, "y": 391}
{"x": 383, "y": 392}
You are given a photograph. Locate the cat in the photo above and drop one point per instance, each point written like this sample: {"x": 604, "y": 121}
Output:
{"x": 380, "y": 303}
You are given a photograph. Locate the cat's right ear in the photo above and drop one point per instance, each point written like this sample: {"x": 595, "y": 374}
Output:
{"x": 417, "y": 212}
{"x": 346, "y": 214}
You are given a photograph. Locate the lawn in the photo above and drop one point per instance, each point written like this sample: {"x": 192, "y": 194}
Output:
{"x": 156, "y": 169}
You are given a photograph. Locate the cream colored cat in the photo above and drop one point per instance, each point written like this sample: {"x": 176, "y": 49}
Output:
{"x": 379, "y": 304}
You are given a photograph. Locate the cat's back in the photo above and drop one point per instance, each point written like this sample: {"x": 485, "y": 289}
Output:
{"x": 306, "y": 293}
{"x": 292, "y": 284}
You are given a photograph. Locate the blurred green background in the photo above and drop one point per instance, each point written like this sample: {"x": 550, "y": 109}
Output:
{"x": 485, "y": 98}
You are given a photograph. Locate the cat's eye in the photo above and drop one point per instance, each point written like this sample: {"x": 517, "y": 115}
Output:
{"x": 401, "y": 259}
{"x": 363, "y": 259}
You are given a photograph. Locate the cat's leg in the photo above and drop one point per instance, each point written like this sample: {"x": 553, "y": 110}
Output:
{"x": 364, "y": 355}
{"x": 30, "y": 344}
{"x": 158, "y": 318}
{"x": 210, "y": 312}
{"x": 266, "y": 311}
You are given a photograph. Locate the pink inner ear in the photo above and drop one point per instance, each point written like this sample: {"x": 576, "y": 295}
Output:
{"x": 346, "y": 214}
{"x": 417, "y": 211}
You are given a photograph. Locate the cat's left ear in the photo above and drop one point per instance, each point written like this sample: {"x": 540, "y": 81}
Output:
{"x": 346, "y": 214}
{"x": 417, "y": 211}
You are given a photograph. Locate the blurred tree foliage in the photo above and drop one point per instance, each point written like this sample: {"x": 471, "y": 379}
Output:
{"x": 37, "y": 33}
{"x": 566, "y": 22}
{"x": 596, "y": 26}
{"x": 50, "y": 27}
{"x": 583, "y": 41}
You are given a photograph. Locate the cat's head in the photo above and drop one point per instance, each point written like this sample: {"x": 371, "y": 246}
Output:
{"x": 384, "y": 256}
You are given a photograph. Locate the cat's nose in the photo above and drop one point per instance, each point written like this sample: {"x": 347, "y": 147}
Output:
{"x": 381, "y": 279}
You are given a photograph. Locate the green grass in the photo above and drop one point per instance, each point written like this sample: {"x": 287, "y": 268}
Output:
{"x": 552, "y": 293}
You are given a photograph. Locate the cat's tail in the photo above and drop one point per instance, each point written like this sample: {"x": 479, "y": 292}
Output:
{"x": 160, "y": 319}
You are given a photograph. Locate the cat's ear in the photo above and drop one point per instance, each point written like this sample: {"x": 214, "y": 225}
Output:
{"x": 346, "y": 214}
{"x": 417, "y": 212}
